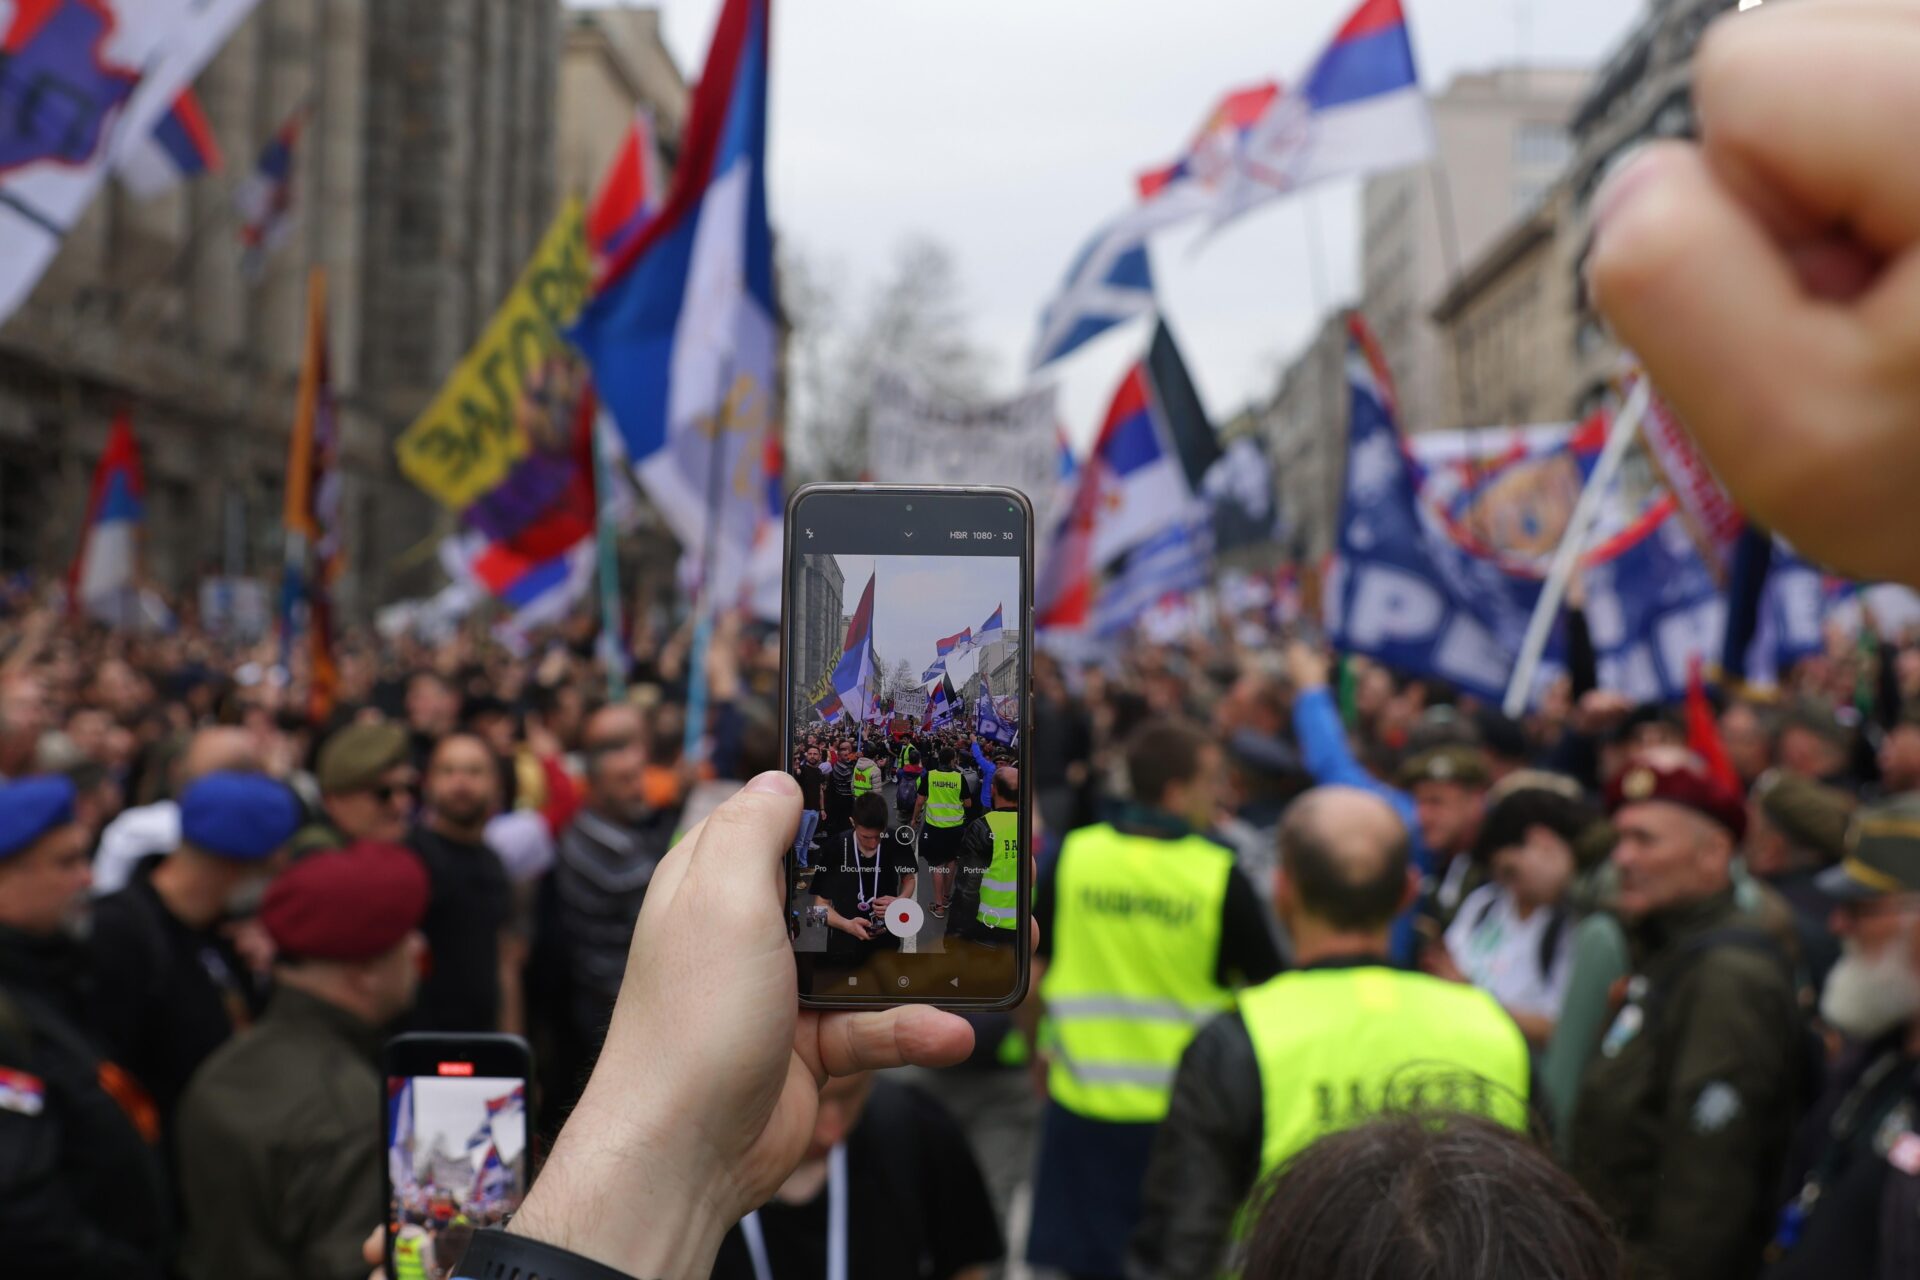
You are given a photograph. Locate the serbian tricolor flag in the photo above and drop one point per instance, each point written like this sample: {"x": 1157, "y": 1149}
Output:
{"x": 102, "y": 578}
{"x": 960, "y": 641}
{"x": 1358, "y": 110}
{"x": 853, "y": 676}
{"x": 992, "y": 626}
{"x": 264, "y": 200}
{"x": 629, "y": 194}
{"x": 681, "y": 330}
{"x": 180, "y": 147}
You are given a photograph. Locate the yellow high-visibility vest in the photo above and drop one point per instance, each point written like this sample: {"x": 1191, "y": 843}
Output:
{"x": 1137, "y": 926}
{"x": 943, "y": 799}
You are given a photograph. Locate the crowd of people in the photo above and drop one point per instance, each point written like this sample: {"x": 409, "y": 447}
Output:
{"x": 1267, "y": 913}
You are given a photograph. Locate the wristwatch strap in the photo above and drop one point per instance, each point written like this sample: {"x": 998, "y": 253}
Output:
{"x": 496, "y": 1255}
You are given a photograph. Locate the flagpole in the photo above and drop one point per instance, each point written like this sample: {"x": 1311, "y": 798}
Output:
{"x": 1625, "y": 426}
{"x": 703, "y": 601}
{"x": 611, "y": 650}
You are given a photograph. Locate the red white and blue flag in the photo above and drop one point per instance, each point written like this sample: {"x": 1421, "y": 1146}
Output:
{"x": 1216, "y": 145}
{"x": 181, "y": 147}
{"x": 1358, "y": 110}
{"x": 264, "y": 199}
{"x": 854, "y": 677}
{"x": 492, "y": 1182}
{"x": 992, "y": 626}
{"x": 84, "y": 79}
{"x": 681, "y": 329}
{"x": 104, "y": 573}
{"x": 958, "y": 642}
{"x": 629, "y": 194}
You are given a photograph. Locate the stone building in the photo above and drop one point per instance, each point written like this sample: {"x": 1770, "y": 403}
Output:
{"x": 1306, "y": 430}
{"x": 1508, "y": 323}
{"x": 424, "y": 175}
{"x": 613, "y": 63}
{"x": 819, "y": 628}
{"x": 1502, "y": 144}
{"x": 1644, "y": 92}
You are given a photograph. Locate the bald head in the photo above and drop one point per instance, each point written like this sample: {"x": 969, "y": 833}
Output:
{"x": 613, "y": 727}
{"x": 1343, "y": 853}
{"x": 218, "y": 750}
{"x": 1006, "y": 787}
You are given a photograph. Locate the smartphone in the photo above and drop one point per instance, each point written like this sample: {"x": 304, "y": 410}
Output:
{"x": 458, "y": 1124}
{"x": 906, "y": 669}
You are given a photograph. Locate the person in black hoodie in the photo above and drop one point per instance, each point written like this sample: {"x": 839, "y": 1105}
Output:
{"x": 81, "y": 1189}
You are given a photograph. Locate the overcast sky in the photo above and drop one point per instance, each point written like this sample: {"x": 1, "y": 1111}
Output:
{"x": 447, "y": 1111}
{"x": 1009, "y": 129}
{"x": 921, "y": 599}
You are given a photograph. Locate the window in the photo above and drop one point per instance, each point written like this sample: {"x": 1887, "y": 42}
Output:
{"x": 1540, "y": 145}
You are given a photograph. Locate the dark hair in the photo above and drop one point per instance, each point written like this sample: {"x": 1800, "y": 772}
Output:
{"x": 1326, "y": 880}
{"x": 870, "y": 812}
{"x": 1437, "y": 1196}
{"x": 1004, "y": 786}
{"x": 1161, "y": 753}
{"x": 1516, "y": 813}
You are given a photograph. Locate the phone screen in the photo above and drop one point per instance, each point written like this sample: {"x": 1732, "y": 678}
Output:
{"x": 907, "y": 722}
{"x": 457, "y": 1156}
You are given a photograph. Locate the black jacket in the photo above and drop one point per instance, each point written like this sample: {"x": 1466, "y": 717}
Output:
{"x": 81, "y": 1190}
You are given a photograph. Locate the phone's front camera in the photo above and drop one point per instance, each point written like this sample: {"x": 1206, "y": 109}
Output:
{"x": 909, "y": 506}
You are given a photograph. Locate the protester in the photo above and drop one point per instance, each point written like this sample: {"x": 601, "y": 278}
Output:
{"x": 1436, "y": 1195}
{"x": 469, "y": 910}
{"x": 1854, "y": 1177}
{"x": 82, "y": 1191}
{"x": 942, "y": 808}
{"x": 605, "y": 862}
{"x": 1796, "y": 829}
{"x": 862, "y": 871}
{"x": 367, "y": 781}
{"x": 146, "y": 830}
{"x": 1136, "y": 918}
{"x": 1683, "y": 1117}
{"x": 890, "y": 1158}
{"x": 813, "y": 806}
{"x": 279, "y": 1162}
{"x": 986, "y": 893}
{"x": 170, "y": 987}
{"x": 1513, "y": 937}
{"x": 1341, "y": 1037}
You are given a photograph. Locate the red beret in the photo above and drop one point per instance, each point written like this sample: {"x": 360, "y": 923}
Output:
{"x": 346, "y": 904}
{"x": 1683, "y": 783}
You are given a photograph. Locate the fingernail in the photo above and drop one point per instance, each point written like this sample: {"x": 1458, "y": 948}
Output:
{"x": 1626, "y": 176}
{"x": 773, "y": 784}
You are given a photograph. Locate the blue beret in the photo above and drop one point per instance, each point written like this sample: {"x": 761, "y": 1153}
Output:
{"x": 242, "y": 816}
{"x": 32, "y": 807}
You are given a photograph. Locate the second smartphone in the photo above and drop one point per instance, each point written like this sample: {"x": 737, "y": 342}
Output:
{"x": 907, "y": 659}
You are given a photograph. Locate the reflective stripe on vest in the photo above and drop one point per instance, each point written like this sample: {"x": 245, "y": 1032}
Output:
{"x": 863, "y": 780}
{"x": 1335, "y": 1046}
{"x": 1000, "y": 882}
{"x": 943, "y": 799}
{"x": 1136, "y": 942}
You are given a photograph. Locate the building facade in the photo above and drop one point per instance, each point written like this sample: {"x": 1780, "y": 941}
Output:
{"x": 816, "y": 624}
{"x": 1644, "y": 92}
{"x": 1508, "y": 323}
{"x": 1502, "y": 143}
{"x": 1306, "y": 431}
{"x": 423, "y": 176}
{"x": 614, "y": 63}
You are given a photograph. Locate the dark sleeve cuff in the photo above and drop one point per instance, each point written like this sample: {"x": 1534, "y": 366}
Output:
{"x": 496, "y": 1255}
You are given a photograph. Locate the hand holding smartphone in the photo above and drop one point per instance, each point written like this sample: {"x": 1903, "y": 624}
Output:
{"x": 907, "y": 638}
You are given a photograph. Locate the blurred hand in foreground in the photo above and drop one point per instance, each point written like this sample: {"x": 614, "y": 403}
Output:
{"x": 1769, "y": 277}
